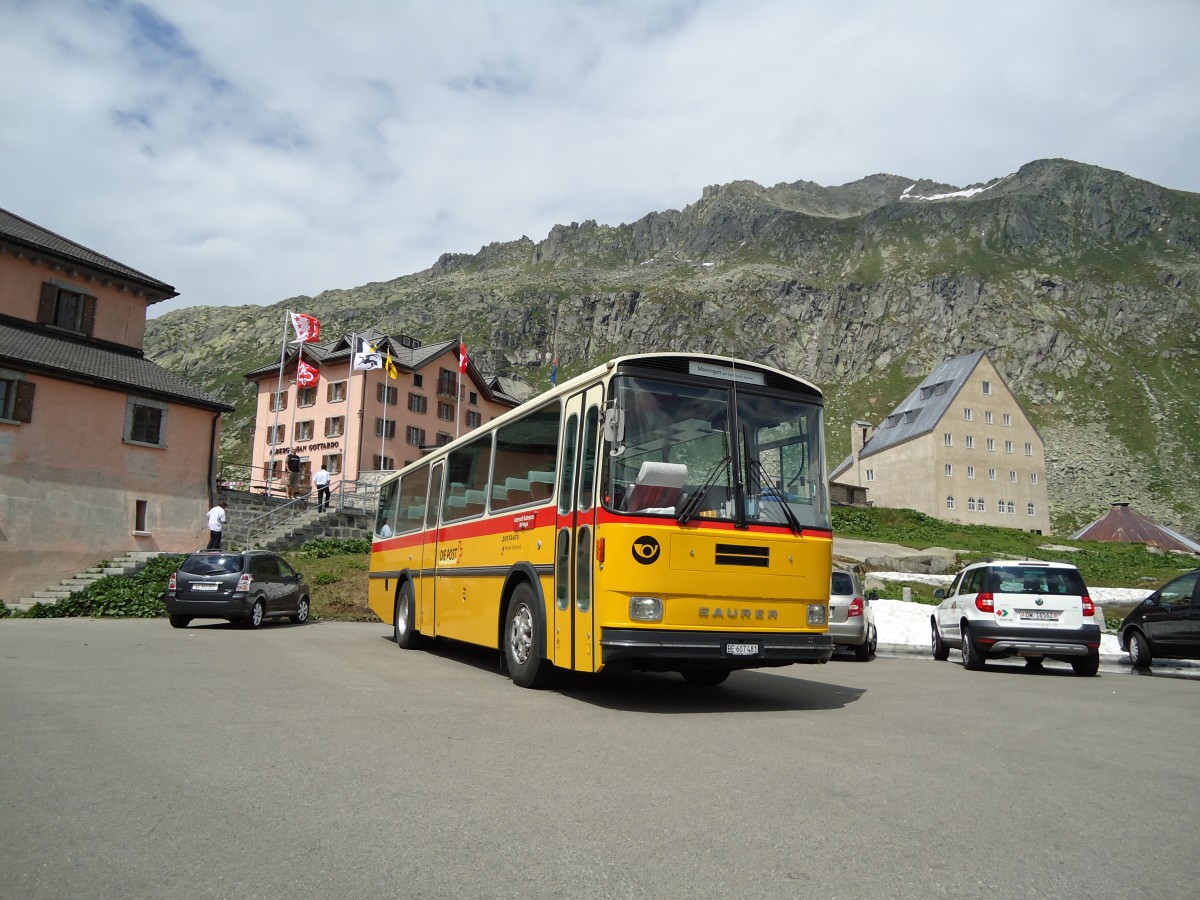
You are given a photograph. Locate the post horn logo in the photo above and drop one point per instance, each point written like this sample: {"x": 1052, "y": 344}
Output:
{"x": 646, "y": 550}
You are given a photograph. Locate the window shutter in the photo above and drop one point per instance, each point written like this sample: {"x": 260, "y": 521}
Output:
{"x": 87, "y": 320}
{"x": 23, "y": 402}
{"x": 46, "y": 305}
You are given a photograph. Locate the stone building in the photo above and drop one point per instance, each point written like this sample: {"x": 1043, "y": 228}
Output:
{"x": 102, "y": 452}
{"x": 958, "y": 448}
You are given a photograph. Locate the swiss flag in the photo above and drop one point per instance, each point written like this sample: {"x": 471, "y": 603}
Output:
{"x": 306, "y": 375}
{"x": 462, "y": 357}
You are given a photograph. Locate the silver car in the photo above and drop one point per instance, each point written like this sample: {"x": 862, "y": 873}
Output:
{"x": 851, "y": 617}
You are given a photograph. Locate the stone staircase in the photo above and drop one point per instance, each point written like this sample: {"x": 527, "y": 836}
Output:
{"x": 129, "y": 564}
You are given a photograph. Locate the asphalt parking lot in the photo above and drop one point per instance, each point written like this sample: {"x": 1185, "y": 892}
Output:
{"x": 318, "y": 761}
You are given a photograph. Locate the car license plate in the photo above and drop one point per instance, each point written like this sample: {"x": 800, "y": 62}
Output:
{"x": 744, "y": 648}
{"x": 204, "y": 586}
{"x": 1039, "y": 615}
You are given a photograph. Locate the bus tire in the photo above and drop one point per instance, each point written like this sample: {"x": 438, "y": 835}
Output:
{"x": 404, "y": 622}
{"x": 522, "y": 640}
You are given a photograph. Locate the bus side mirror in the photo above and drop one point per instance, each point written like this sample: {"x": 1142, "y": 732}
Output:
{"x": 614, "y": 429}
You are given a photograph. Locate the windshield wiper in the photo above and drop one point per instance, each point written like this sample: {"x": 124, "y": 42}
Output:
{"x": 767, "y": 490}
{"x": 693, "y": 502}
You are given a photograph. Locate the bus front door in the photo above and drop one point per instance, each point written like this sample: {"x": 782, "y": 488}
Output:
{"x": 573, "y": 640}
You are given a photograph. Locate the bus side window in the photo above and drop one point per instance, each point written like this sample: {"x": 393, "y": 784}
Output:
{"x": 523, "y": 448}
{"x": 411, "y": 513}
{"x": 468, "y": 469}
{"x": 566, "y": 475}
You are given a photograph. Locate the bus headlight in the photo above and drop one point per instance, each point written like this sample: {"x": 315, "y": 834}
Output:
{"x": 645, "y": 609}
{"x": 816, "y": 614}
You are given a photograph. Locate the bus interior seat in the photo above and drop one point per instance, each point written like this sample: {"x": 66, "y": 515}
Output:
{"x": 475, "y": 502}
{"x": 541, "y": 484}
{"x": 519, "y": 490}
{"x": 657, "y": 486}
{"x": 500, "y": 497}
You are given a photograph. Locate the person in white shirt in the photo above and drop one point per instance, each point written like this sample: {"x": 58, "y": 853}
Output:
{"x": 321, "y": 480}
{"x": 216, "y": 525}
{"x": 385, "y": 530}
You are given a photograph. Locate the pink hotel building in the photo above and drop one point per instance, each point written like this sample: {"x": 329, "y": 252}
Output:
{"x": 354, "y": 422}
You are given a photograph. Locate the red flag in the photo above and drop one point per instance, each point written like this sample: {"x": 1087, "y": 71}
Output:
{"x": 462, "y": 356}
{"x": 308, "y": 328}
{"x": 306, "y": 375}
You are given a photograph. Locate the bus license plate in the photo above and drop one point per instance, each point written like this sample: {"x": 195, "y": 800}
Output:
{"x": 744, "y": 648}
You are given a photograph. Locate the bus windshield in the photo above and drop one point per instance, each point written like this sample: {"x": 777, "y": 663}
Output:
{"x": 732, "y": 453}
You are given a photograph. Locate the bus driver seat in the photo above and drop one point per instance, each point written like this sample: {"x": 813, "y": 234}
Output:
{"x": 657, "y": 487}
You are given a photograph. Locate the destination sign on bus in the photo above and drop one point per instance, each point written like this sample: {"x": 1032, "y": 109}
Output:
{"x": 709, "y": 370}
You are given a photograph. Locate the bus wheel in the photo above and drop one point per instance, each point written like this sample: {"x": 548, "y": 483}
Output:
{"x": 704, "y": 677}
{"x": 407, "y": 636}
{"x": 521, "y": 633}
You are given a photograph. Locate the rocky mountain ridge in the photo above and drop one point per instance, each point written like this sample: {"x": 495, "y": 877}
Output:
{"x": 1083, "y": 284}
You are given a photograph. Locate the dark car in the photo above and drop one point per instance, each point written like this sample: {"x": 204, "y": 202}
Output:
{"x": 1166, "y": 624}
{"x": 244, "y": 587}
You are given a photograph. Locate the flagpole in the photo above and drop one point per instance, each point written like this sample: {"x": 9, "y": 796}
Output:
{"x": 291, "y": 441}
{"x": 287, "y": 315}
{"x": 346, "y": 430}
{"x": 383, "y": 431}
{"x": 458, "y": 399}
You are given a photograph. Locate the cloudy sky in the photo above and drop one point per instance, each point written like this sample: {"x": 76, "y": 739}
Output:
{"x": 247, "y": 151}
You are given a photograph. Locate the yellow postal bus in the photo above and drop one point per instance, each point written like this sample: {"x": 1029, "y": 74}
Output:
{"x": 663, "y": 512}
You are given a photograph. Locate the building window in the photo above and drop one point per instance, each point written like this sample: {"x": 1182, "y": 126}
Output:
{"x": 447, "y": 385}
{"x": 987, "y": 387}
{"x": 970, "y": 442}
{"x": 473, "y": 398}
{"x": 1012, "y": 475}
{"x": 1007, "y": 420}
{"x": 1008, "y": 446}
{"x": 275, "y": 434}
{"x": 949, "y": 470}
{"x": 417, "y": 403}
{"x": 991, "y": 445}
{"x": 870, "y": 474}
{"x": 383, "y": 463}
{"x": 418, "y": 379}
{"x": 1029, "y": 508}
{"x": 968, "y": 415}
{"x": 1012, "y": 508}
{"x": 987, "y": 418}
{"x": 981, "y": 504}
{"x": 970, "y": 471}
{"x": 67, "y": 309}
{"x": 948, "y": 439}
{"x": 991, "y": 474}
{"x": 1033, "y": 477}
{"x": 1028, "y": 449}
{"x": 443, "y": 439}
{"x": 146, "y": 422}
{"x": 474, "y": 419}
{"x": 387, "y": 394}
{"x": 332, "y": 463}
{"x": 385, "y": 428}
{"x": 278, "y": 401}
{"x": 445, "y": 411}
{"x": 306, "y": 396}
{"x": 273, "y": 469}
{"x": 949, "y": 501}
{"x": 335, "y": 426}
{"x": 139, "y": 516}
{"x": 971, "y": 504}
{"x": 414, "y": 436}
{"x": 16, "y": 399}
{"x": 304, "y": 430}
{"x": 336, "y": 392}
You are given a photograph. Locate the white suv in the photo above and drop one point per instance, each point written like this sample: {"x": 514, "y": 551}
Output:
{"x": 1028, "y": 608}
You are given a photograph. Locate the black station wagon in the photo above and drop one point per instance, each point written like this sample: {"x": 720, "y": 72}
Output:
{"x": 244, "y": 587}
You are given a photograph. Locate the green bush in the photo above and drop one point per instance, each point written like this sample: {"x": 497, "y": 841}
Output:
{"x": 137, "y": 596}
{"x": 325, "y": 547}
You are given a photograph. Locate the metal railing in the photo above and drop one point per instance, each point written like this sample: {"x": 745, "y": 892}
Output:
{"x": 356, "y": 497}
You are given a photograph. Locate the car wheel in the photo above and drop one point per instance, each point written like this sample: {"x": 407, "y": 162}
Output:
{"x": 940, "y": 650}
{"x": 256, "y": 614}
{"x": 301, "y": 615}
{"x": 1139, "y": 650}
{"x": 704, "y": 677}
{"x": 1086, "y": 665}
{"x": 404, "y": 623}
{"x": 971, "y": 657}
{"x": 522, "y": 631}
{"x": 864, "y": 651}
{"x": 180, "y": 621}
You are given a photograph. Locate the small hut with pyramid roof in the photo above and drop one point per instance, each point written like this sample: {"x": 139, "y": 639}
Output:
{"x": 1124, "y": 523}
